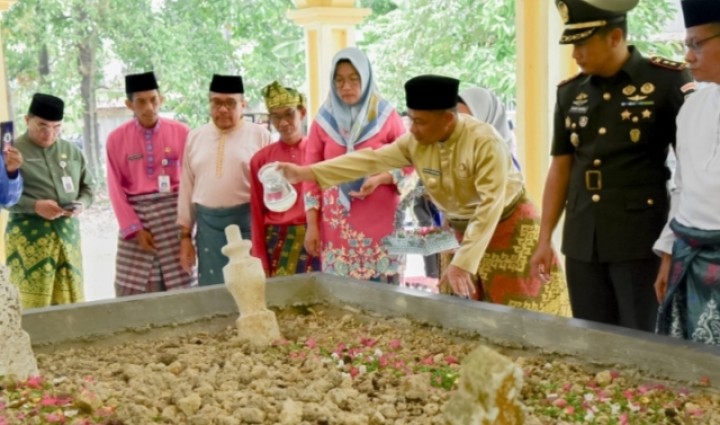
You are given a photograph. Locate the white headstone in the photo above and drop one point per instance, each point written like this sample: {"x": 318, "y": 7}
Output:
{"x": 16, "y": 356}
{"x": 245, "y": 279}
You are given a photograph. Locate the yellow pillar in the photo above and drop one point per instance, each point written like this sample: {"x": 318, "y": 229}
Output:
{"x": 329, "y": 26}
{"x": 4, "y": 116}
{"x": 541, "y": 64}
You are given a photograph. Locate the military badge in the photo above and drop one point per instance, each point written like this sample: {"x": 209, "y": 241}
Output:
{"x": 583, "y": 121}
{"x": 637, "y": 98}
{"x": 575, "y": 139}
{"x": 607, "y": 96}
{"x": 568, "y": 123}
{"x": 647, "y": 88}
{"x": 564, "y": 12}
{"x": 635, "y": 135}
{"x": 629, "y": 90}
{"x": 625, "y": 115}
{"x": 646, "y": 114}
{"x": 581, "y": 99}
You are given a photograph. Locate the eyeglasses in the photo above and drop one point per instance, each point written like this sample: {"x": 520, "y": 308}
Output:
{"x": 287, "y": 116}
{"x": 353, "y": 81}
{"x": 696, "y": 45}
{"x": 230, "y": 104}
{"x": 47, "y": 128}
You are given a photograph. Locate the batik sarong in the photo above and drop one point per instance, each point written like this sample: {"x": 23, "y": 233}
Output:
{"x": 210, "y": 238}
{"x": 286, "y": 251}
{"x": 45, "y": 260}
{"x": 138, "y": 271}
{"x": 504, "y": 275}
{"x": 691, "y": 309}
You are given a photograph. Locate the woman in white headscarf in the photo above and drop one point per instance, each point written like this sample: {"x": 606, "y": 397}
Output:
{"x": 346, "y": 223}
{"x": 486, "y": 106}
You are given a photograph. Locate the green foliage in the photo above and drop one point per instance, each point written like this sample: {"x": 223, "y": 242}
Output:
{"x": 473, "y": 40}
{"x": 186, "y": 41}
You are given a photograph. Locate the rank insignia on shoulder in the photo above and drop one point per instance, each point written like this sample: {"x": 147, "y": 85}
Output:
{"x": 667, "y": 63}
{"x": 567, "y": 80}
{"x": 691, "y": 86}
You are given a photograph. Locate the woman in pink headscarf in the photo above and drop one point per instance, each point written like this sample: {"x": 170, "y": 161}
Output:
{"x": 345, "y": 224}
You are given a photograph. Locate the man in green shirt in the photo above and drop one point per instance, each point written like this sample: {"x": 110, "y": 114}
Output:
{"x": 43, "y": 233}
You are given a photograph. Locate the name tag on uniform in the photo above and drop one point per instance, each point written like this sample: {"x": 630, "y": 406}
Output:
{"x": 68, "y": 185}
{"x": 164, "y": 183}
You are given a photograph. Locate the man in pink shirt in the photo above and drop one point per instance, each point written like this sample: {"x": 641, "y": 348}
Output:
{"x": 144, "y": 160}
{"x": 278, "y": 236}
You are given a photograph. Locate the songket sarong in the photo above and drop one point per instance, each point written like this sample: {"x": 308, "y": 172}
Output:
{"x": 504, "y": 275}
{"x": 286, "y": 251}
{"x": 45, "y": 260}
{"x": 691, "y": 309}
{"x": 210, "y": 238}
{"x": 139, "y": 271}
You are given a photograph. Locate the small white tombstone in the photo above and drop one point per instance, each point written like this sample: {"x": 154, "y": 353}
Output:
{"x": 245, "y": 279}
{"x": 16, "y": 356}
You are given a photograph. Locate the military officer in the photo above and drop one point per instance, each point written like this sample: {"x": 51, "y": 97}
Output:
{"x": 614, "y": 123}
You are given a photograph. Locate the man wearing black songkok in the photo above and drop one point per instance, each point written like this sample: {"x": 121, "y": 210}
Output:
{"x": 468, "y": 173}
{"x": 614, "y": 123}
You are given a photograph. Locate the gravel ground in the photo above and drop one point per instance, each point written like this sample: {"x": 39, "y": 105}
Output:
{"x": 99, "y": 230}
{"x": 337, "y": 366}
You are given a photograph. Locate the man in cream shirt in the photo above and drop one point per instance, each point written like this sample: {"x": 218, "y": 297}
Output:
{"x": 215, "y": 180}
{"x": 468, "y": 173}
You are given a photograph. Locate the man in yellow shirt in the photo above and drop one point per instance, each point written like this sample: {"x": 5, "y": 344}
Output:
{"x": 467, "y": 171}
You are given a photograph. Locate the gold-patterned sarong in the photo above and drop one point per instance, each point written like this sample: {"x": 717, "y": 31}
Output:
{"x": 45, "y": 260}
{"x": 504, "y": 275}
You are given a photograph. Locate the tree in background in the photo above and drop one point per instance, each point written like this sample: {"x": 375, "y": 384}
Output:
{"x": 471, "y": 40}
{"x": 80, "y": 49}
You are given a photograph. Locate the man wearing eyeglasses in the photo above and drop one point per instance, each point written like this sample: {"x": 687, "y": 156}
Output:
{"x": 43, "y": 233}
{"x": 688, "y": 282}
{"x": 278, "y": 233}
{"x": 614, "y": 124}
{"x": 215, "y": 180}
{"x": 144, "y": 160}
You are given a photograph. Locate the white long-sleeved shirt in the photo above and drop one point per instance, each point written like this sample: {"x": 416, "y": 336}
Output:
{"x": 696, "y": 198}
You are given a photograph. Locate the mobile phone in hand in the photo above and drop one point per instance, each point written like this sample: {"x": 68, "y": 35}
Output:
{"x": 72, "y": 206}
{"x": 7, "y": 134}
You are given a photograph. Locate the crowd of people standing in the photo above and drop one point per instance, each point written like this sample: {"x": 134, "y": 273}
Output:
{"x": 632, "y": 257}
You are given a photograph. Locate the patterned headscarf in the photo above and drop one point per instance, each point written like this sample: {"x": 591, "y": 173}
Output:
{"x": 277, "y": 96}
{"x": 352, "y": 125}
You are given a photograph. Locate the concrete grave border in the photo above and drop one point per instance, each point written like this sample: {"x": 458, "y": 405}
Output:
{"x": 657, "y": 355}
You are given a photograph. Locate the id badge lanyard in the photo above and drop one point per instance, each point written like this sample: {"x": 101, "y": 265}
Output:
{"x": 164, "y": 179}
{"x": 67, "y": 183}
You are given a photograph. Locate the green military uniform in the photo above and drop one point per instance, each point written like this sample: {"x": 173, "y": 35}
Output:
{"x": 44, "y": 256}
{"x": 618, "y": 130}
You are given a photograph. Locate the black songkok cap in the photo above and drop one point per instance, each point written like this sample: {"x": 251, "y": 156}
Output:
{"x": 431, "y": 92}
{"x": 699, "y": 12}
{"x": 228, "y": 84}
{"x": 140, "y": 82}
{"x": 583, "y": 17}
{"x": 47, "y": 107}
